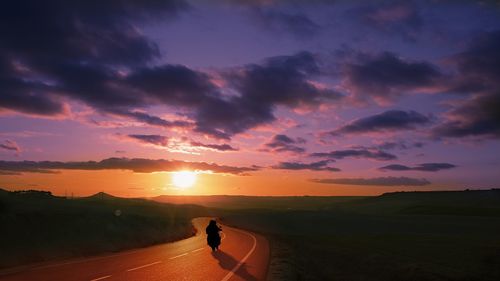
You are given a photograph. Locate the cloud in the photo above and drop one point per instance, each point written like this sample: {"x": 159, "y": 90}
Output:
{"x": 356, "y": 153}
{"x": 5, "y": 173}
{"x": 278, "y": 81}
{"x": 401, "y": 18}
{"x": 476, "y": 117}
{"x": 402, "y": 145}
{"x": 150, "y": 119}
{"x": 382, "y": 181}
{"x": 56, "y": 52}
{"x": 425, "y": 167}
{"x": 314, "y": 166}
{"x": 59, "y": 48}
{"x": 217, "y": 147}
{"x": 478, "y": 68}
{"x": 384, "y": 77}
{"x": 157, "y": 140}
{"x": 166, "y": 142}
{"x": 137, "y": 165}
{"x": 392, "y": 120}
{"x": 173, "y": 84}
{"x": 10, "y": 145}
{"x": 283, "y": 143}
{"x": 296, "y": 23}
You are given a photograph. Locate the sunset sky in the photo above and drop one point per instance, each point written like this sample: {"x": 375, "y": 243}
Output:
{"x": 261, "y": 97}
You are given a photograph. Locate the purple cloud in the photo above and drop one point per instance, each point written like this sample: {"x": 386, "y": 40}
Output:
{"x": 392, "y": 120}
{"x": 386, "y": 76}
{"x": 382, "y": 181}
{"x": 356, "y": 153}
{"x": 314, "y": 166}
{"x": 10, "y": 145}
{"x": 283, "y": 143}
{"x": 137, "y": 165}
{"x": 425, "y": 167}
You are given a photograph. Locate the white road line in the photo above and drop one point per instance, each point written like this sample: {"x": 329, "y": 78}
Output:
{"x": 230, "y": 274}
{"x": 197, "y": 250}
{"x": 178, "y": 256}
{"x": 143, "y": 266}
{"x": 100, "y": 278}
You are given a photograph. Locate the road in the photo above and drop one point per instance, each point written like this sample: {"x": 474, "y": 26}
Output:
{"x": 242, "y": 256}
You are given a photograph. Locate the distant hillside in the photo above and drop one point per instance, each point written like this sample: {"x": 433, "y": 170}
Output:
{"x": 468, "y": 202}
{"x": 101, "y": 196}
{"x": 258, "y": 202}
{"x": 37, "y": 226}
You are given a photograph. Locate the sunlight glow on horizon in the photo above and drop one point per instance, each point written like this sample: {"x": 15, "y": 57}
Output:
{"x": 183, "y": 179}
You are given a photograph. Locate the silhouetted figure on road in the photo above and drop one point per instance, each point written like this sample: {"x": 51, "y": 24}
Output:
{"x": 213, "y": 237}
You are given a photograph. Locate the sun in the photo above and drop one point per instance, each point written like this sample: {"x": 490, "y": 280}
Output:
{"x": 183, "y": 179}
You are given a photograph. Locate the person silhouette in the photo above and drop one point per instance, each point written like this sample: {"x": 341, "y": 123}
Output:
{"x": 213, "y": 237}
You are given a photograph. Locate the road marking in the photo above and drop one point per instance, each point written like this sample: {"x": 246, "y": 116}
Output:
{"x": 197, "y": 250}
{"x": 100, "y": 278}
{"x": 143, "y": 266}
{"x": 178, "y": 256}
{"x": 230, "y": 274}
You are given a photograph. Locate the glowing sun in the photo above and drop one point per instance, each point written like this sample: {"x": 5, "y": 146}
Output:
{"x": 183, "y": 179}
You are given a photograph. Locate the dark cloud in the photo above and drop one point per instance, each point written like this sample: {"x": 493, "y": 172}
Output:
{"x": 392, "y": 120}
{"x": 217, "y": 147}
{"x": 401, "y": 145}
{"x": 282, "y": 80}
{"x": 150, "y": 119}
{"x": 164, "y": 141}
{"x": 173, "y": 84}
{"x": 400, "y": 18}
{"x": 478, "y": 71}
{"x": 71, "y": 48}
{"x": 314, "y": 166}
{"x": 382, "y": 181}
{"x": 386, "y": 76}
{"x": 283, "y": 143}
{"x": 425, "y": 167}
{"x": 10, "y": 145}
{"x": 356, "y": 153}
{"x": 58, "y": 51}
{"x": 296, "y": 23}
{"x": 479, "y": 64}
{"x": 479, "y": 116}
{"x": 137, "y": 165}
{"x": 151, "y": 139}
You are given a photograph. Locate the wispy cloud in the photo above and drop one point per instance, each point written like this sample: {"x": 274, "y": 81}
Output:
{"x": 284, "y": 143}
{"x": 382, "y": 181}
{"x": 10, "y": 145}
{"x": 314, "y": 166}
{"x": 425, "y": 167}
{"x": 356, "y": 153}
{"x": 388, "y": 121}
{"x": 137, "y": 165}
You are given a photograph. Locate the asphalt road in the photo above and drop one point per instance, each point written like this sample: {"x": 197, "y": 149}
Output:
{"x": 242, "y": 256}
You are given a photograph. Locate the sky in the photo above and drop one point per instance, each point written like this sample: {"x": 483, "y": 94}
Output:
{"x": 264, "y": 97}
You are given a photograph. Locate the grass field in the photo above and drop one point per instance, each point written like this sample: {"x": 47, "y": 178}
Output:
{"x": 259, "y": 202}
{"x": 401, "y": 236}
{"x": 37, "y": 226}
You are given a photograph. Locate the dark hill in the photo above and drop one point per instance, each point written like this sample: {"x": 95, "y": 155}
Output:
{"x": 468, "y": 202}
{"x": 102, "y": 196}
{"x": 84, "y": 226}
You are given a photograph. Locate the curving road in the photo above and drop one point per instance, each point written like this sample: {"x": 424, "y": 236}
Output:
{"x": 243, "y": 256}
